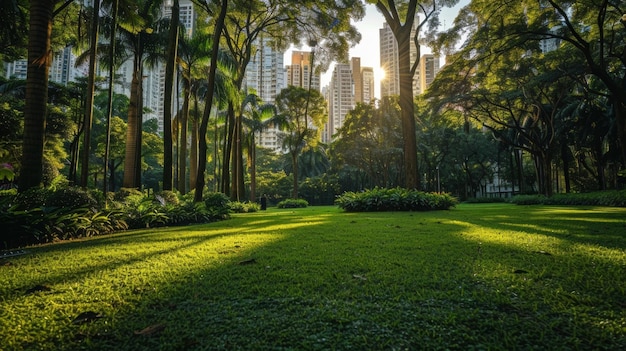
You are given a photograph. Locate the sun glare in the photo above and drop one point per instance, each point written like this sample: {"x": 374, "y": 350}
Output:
{"x": 379, "y": 74}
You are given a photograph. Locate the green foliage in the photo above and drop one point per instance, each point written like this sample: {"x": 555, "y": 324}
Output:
{"x": 484, "y": 200}
{"x": 45, "y": 215}
{"x": 168, "y": 197}
{"x": 293, "y": 203}
{"x": 320, "y": 190}
{"x": 71, "y": 197}
{"x": 395, "y": 199}
{"x": 612, "y": 198}
{"x": 244, "y": 207}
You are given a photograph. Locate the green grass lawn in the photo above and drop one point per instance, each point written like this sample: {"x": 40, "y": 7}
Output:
{"x": 480, "y": 276}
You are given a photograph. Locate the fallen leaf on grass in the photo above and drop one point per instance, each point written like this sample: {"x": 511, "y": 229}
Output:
{"x": 88, "y": 316}
{"x": 358, "y": 276}
{"x": 151, "y": 330}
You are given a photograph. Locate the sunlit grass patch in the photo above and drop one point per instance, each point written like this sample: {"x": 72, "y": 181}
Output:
{"x": 486, "y": 276}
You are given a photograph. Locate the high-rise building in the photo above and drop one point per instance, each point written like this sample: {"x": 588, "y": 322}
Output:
{"x": 299, "y": 72}
{"x": 390, "y": 85}
{"x": 367, "y": 74}
{"x": 265, "y": 74}
{"x": 340, "y": 98}
{"x": 427, "y": 70}
{"x": 357, "y": 79}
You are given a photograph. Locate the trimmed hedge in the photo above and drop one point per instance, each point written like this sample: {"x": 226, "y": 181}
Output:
{"x": 395, "y": 199}
{"x": 293, "y": 203}
{"x": 611, "y": 198}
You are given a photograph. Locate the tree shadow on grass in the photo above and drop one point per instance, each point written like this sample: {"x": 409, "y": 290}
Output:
{"x": 337, "y": 281}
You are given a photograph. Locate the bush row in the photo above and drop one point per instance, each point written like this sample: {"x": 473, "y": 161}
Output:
{"x": 395, "y": 199}
{"x": 613, "y": 198}
{"x": 293, "y": 203}
{"x": 45, "y": 215}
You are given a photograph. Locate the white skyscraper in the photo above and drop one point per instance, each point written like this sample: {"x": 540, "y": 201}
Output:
{"x": 265, "y": 74}
{"x": 340, "y": 98}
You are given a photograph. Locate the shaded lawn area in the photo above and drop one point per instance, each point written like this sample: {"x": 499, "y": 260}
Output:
{"x": 480, "y": 276}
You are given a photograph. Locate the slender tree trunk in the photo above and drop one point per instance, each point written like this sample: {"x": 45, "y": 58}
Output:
{"x": 35, "y": 110}
{"x": 294, "y": 165}
{"x": 252, "y": 168}
{"x": 228, "y": 149}
{"x": 131, "y": 134}
{"x": 107, "y": 142}
{"x": 170, "y": 76}
{"x": 182, "y": 144}
{"x": 139, "y": 130}
{"x": 193, "y": 154}
{"x": 91, "y": 86}
{"x": 202, "y": 146}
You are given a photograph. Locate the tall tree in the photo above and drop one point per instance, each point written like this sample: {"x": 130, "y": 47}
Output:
{"x": 256, "y": 117}
{"x": 402, "y": 18}
{"x": 170, "y": 78}
{"x": 140, "y": 41}
{"x": 202, "y": 145}
{"x": 91, "y": 86}
{"x": 35, "y": 111}
{"x": 293, "y": 114}
{"x": 193, "y": 59}
{"x": 281, "y": 22}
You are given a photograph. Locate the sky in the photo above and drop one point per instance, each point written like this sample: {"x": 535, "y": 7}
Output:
{"x": 368, "y": 48}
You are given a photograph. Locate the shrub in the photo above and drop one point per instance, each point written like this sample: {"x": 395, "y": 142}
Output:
{"x": 167, "y": 197}
{"x": 71, "y": 197}
{"x": 395, "y": 199}
{"x": 293, "y": 203}
{"x": 485, "y": 200}
{"x": 613, "y": 198}
{"x": 31, "y": 198}
{"x": 244, "y": 207}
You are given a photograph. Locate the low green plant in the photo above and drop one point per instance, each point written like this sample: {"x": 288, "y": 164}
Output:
{"x": 293, "y": 203}
{"x": 244, "y": 207}
{"x": 613, "y": 198}
{"x": 394, "y": 199}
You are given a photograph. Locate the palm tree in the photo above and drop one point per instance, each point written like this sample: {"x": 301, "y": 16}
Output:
{"x": 35, "y": 110}
{"x": 91, "y": 85}
{"x": 172, "y": 52}
{"x": 202, "y": 146}
{"x": 141, "y": 43}
{"x": 192, "y": 59}
{"x": 256, "y": 117}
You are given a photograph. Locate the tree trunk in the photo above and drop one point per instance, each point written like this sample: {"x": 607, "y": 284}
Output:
{"x": 130, "y": 163}
{"x": 107, "y": 142}
{"x": 170, "y": 77}
{"x": 408, "y": 109}
{"x": 91, "y": 86}
{"x": 182, "y": 144}
{"x": 35, "y": 110}
{"x": 294, "y": 166}
{"x": 193, "y": 153}
{"x": 237, "y": 191}
{"x": 252, "y": 170}
{"x": 228, "y": 147}
{"x": 202, "y": 146}
{"x": 620, "y": 117}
